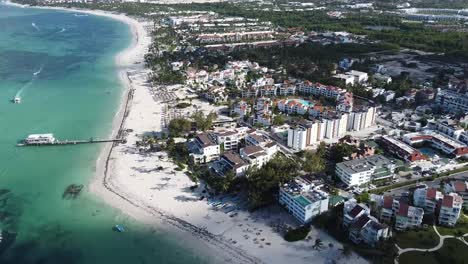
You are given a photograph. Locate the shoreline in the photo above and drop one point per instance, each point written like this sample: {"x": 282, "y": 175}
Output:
{"x": 125, "y": 179}
{"x": 131, "y": 59}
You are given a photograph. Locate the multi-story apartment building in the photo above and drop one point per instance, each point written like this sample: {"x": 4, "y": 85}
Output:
{"x": 451, "y": 100}
{"x": 388, "y": 208}
{"x": 319, "y": 89}
{"x": 361, "y": 118}
{"x": 263, "y": 104}
{"x": 408, "y": 217}
{"x": 450, "y": 128}
{"x": 308, "y": 133}
{"x": 255, "y": 156}
{"x": 361, "y": 226}
{"x": 361, "y": 171}
{"x": 404, "y": 215}
{"x": 242, "y": 108}
{"x": 203, "y": 148}
{"x": 400, "y": 149}
{"x": 303, "y": 199}
{"x": 294, "y": 106}
{"x": 446, "y": 207}
{"x": 268, "y": 90}
{"x": 438, "y": 141}
{"x": 450, "y": 209}
{"x": 230, "y": 162}
{"x": 460, "y": 188}
{"x": 228, "y": 140}
{"x": 352, "y": 211}
{"x": 297, "y": 137}
{"x": 255, "y": 138}
{"x": 374, "y": 232}
{"x": 286, "y": 89}
{"x": 426, "y": 198}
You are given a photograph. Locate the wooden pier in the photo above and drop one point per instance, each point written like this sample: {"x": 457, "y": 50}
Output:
{"x": 73, "y": 142}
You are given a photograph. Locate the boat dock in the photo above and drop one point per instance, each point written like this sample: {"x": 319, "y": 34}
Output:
{"x": 71, "y": 142}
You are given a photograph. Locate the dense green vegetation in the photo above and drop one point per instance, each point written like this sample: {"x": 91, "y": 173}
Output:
{"x": 263, "y": 184}
{"x": 313, "y": 162}
{"x": 178, "y": 152}
{"x": 297, "y": 234}
{"x": 453, "y": 251}
{"x": 309, "y": 61}
{"x": 413, "y": 35}
{"x": 417, "y": 239}
{"x": 203, "y": 122}
{"x": 179, "y": 126}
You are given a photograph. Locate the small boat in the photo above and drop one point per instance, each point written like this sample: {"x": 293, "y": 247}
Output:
{"x": 119, "y": 228}
{"x": 17, "y": 100}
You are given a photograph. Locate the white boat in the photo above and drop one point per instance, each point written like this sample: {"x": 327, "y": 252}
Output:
{"x": 17, "y": 100}
{"x": 40, "y": 139}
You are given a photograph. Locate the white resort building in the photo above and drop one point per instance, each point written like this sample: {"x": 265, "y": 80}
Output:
{"x": 361, "y": 171}
{"x": 303, "y": 199}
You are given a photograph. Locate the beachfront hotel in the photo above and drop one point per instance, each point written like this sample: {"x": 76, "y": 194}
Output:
{"x": 303, "y": 198}
{"x": 203, "y": 148}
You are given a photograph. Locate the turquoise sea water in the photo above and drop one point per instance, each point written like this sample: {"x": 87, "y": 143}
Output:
{"x": 74, "y": 94}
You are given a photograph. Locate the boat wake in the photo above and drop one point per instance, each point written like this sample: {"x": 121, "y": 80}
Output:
{"x": 39, "y": 71}
{"x": 34, "y": 26}
{"x": 28, "y": 84}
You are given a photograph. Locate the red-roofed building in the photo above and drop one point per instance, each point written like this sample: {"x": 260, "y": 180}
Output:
{"x": 408, "y": 217}
{"x": 459, "y": 187}
{"x": 401, "y": 149}
{"x": 389, "y": 206}
{"x": 352, "y": 210}
{"x": 450, "y": 209}
{"x": 426, "y": 198}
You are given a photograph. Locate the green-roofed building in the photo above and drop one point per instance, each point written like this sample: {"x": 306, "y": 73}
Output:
{"x": 303, "y": 198}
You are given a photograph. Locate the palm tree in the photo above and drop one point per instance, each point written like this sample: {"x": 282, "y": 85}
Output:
{"x": 318, "y": 244}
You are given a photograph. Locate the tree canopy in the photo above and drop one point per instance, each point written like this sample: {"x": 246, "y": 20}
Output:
{"x": 203, "y": 122}
{"x": 263, "y": 184}
{"x": 179, "y": 126}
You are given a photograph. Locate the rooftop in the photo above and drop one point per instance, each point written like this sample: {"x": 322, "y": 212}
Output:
{"x": 364, "y": 164}
{"x": 39, "y": 136}
{"x": 405, "y": 147}
{"x": 204, "y": 140}
{"x": 233, "y": 159}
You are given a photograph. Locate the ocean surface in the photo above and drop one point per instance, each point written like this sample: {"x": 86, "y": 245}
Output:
{"x": 62, "y": 66}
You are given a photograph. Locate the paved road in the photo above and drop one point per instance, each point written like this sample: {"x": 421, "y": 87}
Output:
{"x": 398, "y": 192}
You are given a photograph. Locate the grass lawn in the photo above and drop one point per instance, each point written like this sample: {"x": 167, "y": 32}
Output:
{"x": 460, "y": 228}
{"x": 417, "y": 239}
{"x": 453, "y": 252}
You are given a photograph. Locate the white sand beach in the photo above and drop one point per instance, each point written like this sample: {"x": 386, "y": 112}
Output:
{"x": 132, "y": 182}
